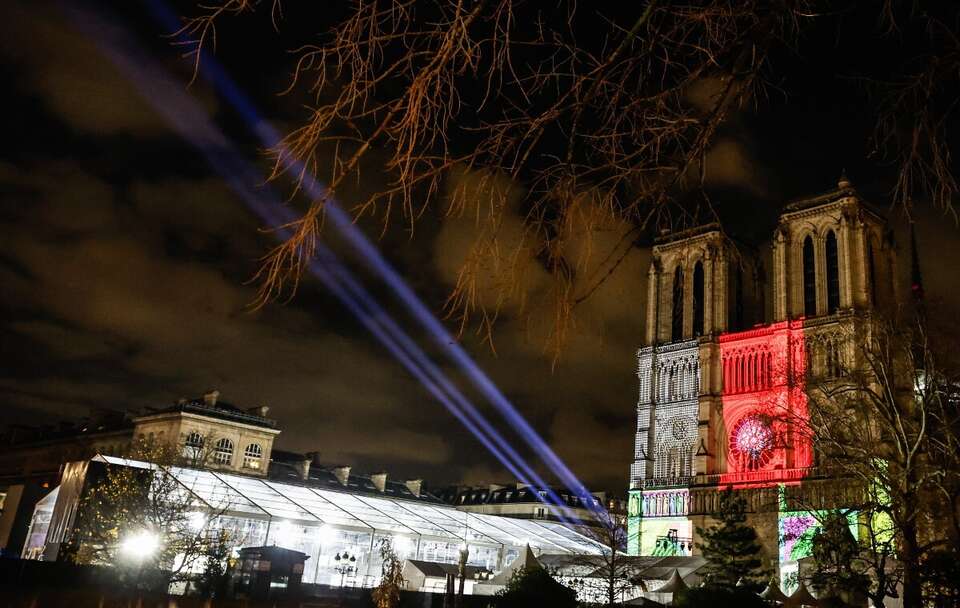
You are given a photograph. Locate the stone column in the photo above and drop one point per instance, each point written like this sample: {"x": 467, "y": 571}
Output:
{"x": 779, "y": 276}
{"x": 708, "y": 284}
{"x": 653, "y": 276}
{"x": 687, "y": 299}
{"x": 863, "y": 293}
{"x": 846, "y": 267}
{"x": 720, "y": 291}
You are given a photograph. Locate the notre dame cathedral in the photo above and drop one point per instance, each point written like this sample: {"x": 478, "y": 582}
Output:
{"x": 733, "y": 335}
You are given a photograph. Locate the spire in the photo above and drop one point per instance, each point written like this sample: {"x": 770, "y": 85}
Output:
{"x": 916, "y": 279}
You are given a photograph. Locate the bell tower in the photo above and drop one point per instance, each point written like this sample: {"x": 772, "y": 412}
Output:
{"x": 700, "y": 284}
{"x": 831, "y": 253}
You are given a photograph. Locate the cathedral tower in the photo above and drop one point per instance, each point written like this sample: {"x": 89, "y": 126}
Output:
{"x": 724, "y": 368}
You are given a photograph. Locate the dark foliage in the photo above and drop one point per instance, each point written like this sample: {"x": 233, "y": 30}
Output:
{"x": 535, "y": 587}
{"x": 840, "y": 570}
{"x": 715, "y": 596}
{"x": 731, "y": 548}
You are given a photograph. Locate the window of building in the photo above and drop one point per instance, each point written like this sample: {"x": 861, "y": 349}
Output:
{"x": 676, "y": 332}
{"x": 193, "y": 445}
{"x": 252, "y": 456}
{"x": 833, "y": 273}
{"x": 809, "y": 279}
{"x": 833, "y": 367}
{"x": 698, "y": 299}
{"x": 735, "y": 308}
{"x": 871, "y": 273}
{"x": 223, "y": 453}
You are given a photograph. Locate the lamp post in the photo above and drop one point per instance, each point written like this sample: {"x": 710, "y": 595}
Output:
{"x": 138, "y": 547}
{"x": 462, "y": 573}
{"x": 345, "y": 564}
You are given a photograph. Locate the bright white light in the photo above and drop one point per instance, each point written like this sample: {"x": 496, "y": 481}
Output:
{"x": 280, "y": 532}
{"x": 403, "y": 545}
{"x": 326, "y": 534}
{"x": 198, "y": 521}
{"x": 140, "y": 545}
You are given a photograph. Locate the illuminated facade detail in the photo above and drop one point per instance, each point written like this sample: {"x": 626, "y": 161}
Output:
{"x": 667, "y": 412}
{"x": 732, "y": 336}
{"x": 752, "y": 440}
{"x": 796, "y": 530}
{"x": 665, "y": 536}
{"x": 763, "y": 402}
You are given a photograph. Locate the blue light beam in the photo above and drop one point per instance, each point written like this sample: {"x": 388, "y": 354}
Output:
{"x": 190, "y": 121}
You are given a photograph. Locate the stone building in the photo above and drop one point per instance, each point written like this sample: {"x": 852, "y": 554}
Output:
{"x": 221, "y": 435}
{"x": 525, "y": 502}
{"x": 733, "y": 335}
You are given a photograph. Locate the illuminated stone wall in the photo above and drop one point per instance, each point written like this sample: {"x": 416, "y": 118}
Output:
{"x": 723, "y": 375}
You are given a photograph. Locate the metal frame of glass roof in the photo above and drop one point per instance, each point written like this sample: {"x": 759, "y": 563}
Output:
{"x": 264, "y": 499}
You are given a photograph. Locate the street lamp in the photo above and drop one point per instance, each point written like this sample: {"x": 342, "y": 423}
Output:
{"x": 345, "y": 564}
{"x": 462, "y": 572}
{"x": 140, "y": 545}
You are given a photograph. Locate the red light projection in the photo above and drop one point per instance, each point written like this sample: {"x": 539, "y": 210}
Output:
{"x": 752, "y": 442}
{"x": 764, "y": 406}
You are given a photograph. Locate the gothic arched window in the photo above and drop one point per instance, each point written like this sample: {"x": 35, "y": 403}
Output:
{"x": 871, "y": 273}
{"x": 676, "y": 332}
{"x": 809, "y": 279}
{"x": 833, "y": 273}
{"x": 698, "y": 299}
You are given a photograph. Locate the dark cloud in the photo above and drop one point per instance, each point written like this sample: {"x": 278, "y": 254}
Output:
{"x": 125, "y": 283}
{"x": 69, "y": 75}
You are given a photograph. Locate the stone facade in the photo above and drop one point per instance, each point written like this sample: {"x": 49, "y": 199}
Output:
{"x": 729, "y": 349}
{"x": 221, "y": 444}
{"x": 208, "y": 432}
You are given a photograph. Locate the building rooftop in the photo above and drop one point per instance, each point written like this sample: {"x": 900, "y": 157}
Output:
{"x": 289, "y": 467}
{"x": 843, "y": 189}
{"x": 101, "y": 421}
{"x": 107, "y": 420}
{"x": 211, "y": 405}
{"x": 296, "y": 501}
{"x": 514, "y": 494}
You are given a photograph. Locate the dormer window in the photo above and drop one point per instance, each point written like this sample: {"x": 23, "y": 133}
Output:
{"x": 253, "y": 457}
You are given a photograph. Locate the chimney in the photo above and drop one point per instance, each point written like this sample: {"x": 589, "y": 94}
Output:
{"x": 415, "y": 486}
{"x": 303, "y": 468}
{"x": 260, "y": 410}
{"x": 210, "y": 397}
{"x": 342, "y": 473}
{"x": 379, "y": 480}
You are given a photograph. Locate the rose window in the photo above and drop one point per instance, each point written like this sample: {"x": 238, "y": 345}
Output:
{"x": 752, "y": 439}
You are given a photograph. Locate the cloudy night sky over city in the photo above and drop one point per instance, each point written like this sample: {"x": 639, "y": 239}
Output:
{"x": 127, "y": 272}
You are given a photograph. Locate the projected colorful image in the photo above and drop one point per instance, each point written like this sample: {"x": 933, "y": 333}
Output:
{"x": 797, "y": 529}
{"x": 666, "y": 536}
{"x": 796, "y": 535}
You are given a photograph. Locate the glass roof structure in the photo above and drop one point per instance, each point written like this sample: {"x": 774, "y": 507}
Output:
{"x": 310, "y": 507}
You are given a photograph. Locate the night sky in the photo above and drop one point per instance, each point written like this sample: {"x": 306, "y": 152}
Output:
{"x": 126, "y": 261}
